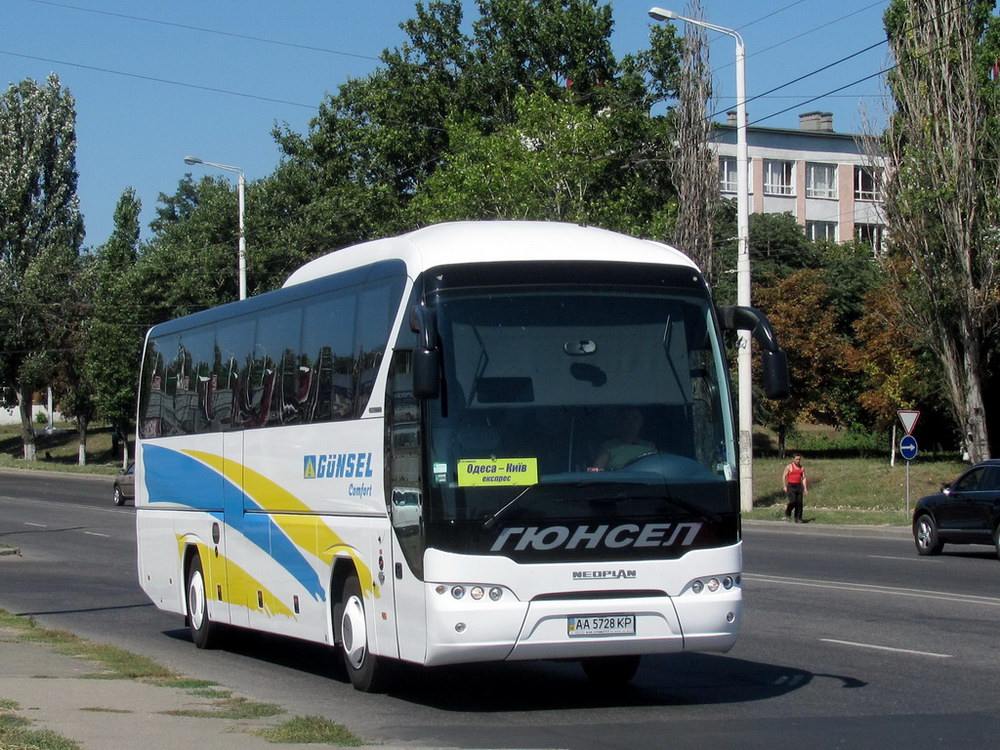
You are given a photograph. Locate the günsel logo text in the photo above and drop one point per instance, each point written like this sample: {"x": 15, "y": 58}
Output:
{"x": 542, "y": 538}
{"x": 337, "y": 466}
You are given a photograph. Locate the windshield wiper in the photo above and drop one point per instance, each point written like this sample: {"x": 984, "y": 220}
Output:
{"x": 492, "y": 520}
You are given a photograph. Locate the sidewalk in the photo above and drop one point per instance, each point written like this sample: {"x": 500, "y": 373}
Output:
{"x": 51, "y": 691}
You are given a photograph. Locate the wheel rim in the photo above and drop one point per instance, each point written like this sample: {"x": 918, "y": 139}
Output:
{"x": 118, "y": 496}
{"x": 354, "y": 632}
{"x": 196, "y": 600}
{"x": 924, "y": 534}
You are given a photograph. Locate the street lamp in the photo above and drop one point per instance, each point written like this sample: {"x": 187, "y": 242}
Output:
{"x": 743, "y": 358}
{"x": 241, "y": 192}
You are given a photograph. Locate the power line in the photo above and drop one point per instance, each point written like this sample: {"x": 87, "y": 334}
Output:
{"x": 812, "y": 73}
{"x": 821, "y": 96}
{"x": 768, "y": 15}
{"x": 205, "y": 30}
{"x": 160, "y": 80}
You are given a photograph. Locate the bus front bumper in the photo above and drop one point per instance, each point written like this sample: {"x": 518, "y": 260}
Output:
{"x": 465, "y": 631}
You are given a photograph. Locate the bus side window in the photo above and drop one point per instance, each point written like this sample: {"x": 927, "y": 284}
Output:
{"x": 377, "y": 305}
{"x": 153, "y": 375}
{"x": 328, "y": 340}
{"x": 235, "y": 344}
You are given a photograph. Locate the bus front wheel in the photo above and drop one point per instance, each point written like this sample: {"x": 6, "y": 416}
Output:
{"x": 368, "y": 672}
{"x": 611, "y": 670}
{"x": 204, "y": 632}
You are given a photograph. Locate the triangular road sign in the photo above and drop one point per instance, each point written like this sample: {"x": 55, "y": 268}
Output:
{"x": 909, "y": 420}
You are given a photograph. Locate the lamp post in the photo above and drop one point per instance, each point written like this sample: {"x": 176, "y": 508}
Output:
{"x": 743, "y": 358}
{"x": 241, "y": 193}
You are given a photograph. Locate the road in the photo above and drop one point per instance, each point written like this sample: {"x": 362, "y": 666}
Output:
{"x": 850, "y": 640}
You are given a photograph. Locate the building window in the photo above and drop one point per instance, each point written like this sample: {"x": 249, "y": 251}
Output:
{"x": 821, "y": 230}
{"x": 779, "y": 177}
{"x": 727, "y": 174}
{"x": 867, "y": 183}
{"x": 870, "y": 233}
{"x": 821, "y": 180}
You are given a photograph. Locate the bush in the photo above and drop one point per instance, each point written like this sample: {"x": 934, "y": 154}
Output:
{"x": 852, "y": 442}
{"x": 41, "y": 418}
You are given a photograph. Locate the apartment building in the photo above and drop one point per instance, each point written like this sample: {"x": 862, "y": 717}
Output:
{"x": 823, "y": 178}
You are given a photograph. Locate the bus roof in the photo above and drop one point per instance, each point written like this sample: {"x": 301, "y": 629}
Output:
{"x": 486, "y": 241}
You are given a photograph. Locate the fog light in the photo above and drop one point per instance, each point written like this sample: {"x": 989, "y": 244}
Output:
{"x": 697, "y": 586}
{"x": 476, "y": 592}
{"x": 458, "y": 592}
{"x": 727, "y": 583}
{"x": 713, "y": 584}
{"x": 730, "y": 617}
{"x": 460, "y": 627}
{"x": 495, "y": 593}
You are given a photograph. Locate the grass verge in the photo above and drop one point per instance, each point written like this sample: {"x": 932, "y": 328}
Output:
{"x": 310, "y": 729}
{"x": 16, "y": 732}
{"x": 59, "y": 450}
{"x": 865, "y": 491}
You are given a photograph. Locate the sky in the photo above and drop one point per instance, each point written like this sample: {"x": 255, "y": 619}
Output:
{"x": 212, "y": 78}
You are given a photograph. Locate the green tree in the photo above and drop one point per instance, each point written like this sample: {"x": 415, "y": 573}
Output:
{"x": 377, "y": 142}
{"x": 942, "y": 188}
{"x": 114, "y": 332}
{"x": 191, "y": 262}
{"x": 41, "y": 230}
{"x": 547, "y": 165}
{"x": 76, "y": 399}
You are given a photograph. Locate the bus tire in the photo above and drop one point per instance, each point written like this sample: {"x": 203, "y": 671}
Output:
{"x": 204, "y": 632}
{"x": 611, "y": 670}
{"x": 368, "y": 673}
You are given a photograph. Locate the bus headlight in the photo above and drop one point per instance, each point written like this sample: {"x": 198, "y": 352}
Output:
{"x": 476, "y": 591}
{"x": 715, "y": 583}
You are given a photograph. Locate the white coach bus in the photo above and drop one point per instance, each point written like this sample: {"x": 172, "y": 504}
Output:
{"x": 478, "y": 441}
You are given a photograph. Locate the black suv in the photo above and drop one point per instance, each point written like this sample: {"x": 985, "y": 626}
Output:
{"x": 967, "y": 511}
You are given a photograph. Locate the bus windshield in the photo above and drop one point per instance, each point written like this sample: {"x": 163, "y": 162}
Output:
{"x": 566, "y": 405}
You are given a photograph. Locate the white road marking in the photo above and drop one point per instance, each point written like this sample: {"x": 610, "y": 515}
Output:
{"x": 39, "y": 525}
{"x": 912, "y": 558}
{"x": 94, "y": 533}
{"x": 873, "y": 589}
{"x": 887, "y": 648}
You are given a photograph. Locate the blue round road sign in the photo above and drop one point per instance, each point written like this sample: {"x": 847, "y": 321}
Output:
{"x": 908, "y": 447}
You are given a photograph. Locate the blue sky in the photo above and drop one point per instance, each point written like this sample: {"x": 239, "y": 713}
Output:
{"x": 154, "y": 83}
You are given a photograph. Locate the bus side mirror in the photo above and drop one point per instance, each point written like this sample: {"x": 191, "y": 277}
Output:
{"x": 774, "y": 360}
{"x": 426, "y": 359}
{"x": 775, "y": 374}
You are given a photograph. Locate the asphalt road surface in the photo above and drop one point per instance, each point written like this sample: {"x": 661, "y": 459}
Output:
{"x": 850, "y": 640}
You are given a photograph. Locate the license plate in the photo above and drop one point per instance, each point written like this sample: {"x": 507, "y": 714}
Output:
{"x": 590, "y": 625}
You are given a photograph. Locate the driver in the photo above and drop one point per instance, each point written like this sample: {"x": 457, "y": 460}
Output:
{"x": 626, "y": 446}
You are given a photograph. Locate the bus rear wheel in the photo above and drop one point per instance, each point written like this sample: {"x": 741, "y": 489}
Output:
{"x": 368, "y": 672}
{"x": 204, "y": 632}
{"x": 611, "y": 670}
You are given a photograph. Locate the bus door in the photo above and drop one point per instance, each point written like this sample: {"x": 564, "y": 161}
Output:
{"x": 404, "y": 503}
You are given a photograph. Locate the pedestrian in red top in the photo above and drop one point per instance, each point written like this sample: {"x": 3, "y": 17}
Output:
{"x": 794, "y": 481}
